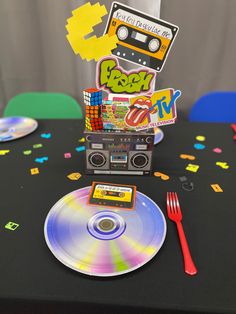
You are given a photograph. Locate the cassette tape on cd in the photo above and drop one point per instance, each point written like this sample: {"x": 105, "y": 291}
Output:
{"x": 143, "y": 39}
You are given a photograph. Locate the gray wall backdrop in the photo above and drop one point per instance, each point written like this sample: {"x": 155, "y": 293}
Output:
{"x": 35, "y": 55}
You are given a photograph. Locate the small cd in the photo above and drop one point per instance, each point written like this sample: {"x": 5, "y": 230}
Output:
{"x": 101, "y": 241}
{"x": 12, "y": 128}
{"x": 159, "y": 135}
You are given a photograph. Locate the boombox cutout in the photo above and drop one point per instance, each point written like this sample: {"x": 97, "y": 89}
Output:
{"x": 119, "y": 152}
{"x": 143, "y": 39}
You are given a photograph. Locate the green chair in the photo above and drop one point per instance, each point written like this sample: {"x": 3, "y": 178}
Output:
{"x": 43, "y": 106}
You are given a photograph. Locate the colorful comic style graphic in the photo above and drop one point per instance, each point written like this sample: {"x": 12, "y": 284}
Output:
{"x": 81, "y": 25}
{"x": 142, "y": 39}
{"x": 149, "y": 112}
{"x": 111, "y": 77}
{"x": 114, "y": 110}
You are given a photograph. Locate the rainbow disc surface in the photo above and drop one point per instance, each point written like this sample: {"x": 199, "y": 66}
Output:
{"x": 15, "y": 127}
{"x": 101, "y": 241}
{"x": 159, "y": 135}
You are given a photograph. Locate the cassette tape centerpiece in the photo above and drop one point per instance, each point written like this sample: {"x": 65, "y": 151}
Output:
{"x": 142, "y": 39}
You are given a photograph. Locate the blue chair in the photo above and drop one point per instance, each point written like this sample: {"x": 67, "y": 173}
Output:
{"x": 215, "y": 107}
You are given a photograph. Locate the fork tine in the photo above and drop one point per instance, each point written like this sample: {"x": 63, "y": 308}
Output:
{"x": 169, "y": 203}
{"x": 177, "y": 203}
{"x": 173, "y": 203}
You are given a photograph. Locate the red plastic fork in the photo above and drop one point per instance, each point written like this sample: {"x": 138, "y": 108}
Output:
{"x": 175, "y": 214}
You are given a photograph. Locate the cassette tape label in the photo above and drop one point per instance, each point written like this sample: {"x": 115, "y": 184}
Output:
{"x": 142, "y": 23}
{"x": 142, "y": 39}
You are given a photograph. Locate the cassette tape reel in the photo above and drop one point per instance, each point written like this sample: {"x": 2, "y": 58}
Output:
{"x": 143, "y": 39}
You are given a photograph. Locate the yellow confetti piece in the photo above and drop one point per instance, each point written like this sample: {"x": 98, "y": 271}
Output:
{"x": 82, "y": 140}
{"x": 216, "y": 188}
{"x": 34, "y": 171}
{"x": 4, "y": 152}
{"x": 192, "y": 167}
{"x": 223, "y": 165}
{"x": 200, "y": 138}
{"x": 190, "y": 157}
{"x": 163, "y": 176}
{"x": 74, "y": 176}
{"x": 81, "y": 24}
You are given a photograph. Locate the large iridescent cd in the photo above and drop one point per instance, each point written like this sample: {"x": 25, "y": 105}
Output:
{"x": 102, "y": 241}
{"x": 12, "y": 128}
{"x": 159, "y": 135}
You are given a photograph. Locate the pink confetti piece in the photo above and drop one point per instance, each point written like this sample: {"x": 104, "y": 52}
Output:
{"x": 67, "y": 155}
{"x": 217, "y": 150}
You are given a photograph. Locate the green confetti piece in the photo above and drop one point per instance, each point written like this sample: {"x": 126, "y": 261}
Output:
{"x": 37, "y": 145}
{"x": 27, "y": 152}
{"x": 11, "y": 226}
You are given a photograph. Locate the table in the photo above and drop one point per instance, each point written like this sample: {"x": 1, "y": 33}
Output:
{"x": 33, "y": 281}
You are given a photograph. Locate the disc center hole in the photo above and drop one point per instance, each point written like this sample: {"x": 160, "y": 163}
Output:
{"x": 106, "y": 224}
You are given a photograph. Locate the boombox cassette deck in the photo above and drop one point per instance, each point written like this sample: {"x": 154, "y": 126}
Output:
{"x": 119, "y": 152}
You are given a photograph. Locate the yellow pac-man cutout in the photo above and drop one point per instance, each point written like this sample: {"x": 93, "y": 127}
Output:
{"x": 81, "y": 24}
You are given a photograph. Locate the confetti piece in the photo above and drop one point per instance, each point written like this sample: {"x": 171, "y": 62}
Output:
{"x": 217, "y": 150}
{"x": 11, "y": 226}
{"x": 223, "y": 165}
{"x": 4, "y": 152}
{"x": 190, "y": 157}
{"x": 80, "y": 148}
{"x": 74, "y": 176}
{"x": 46, "y": 135}
{"x": 233, "y": 126}
{"x": 192, "y": 167}
{"x": 37, "y": 145}
{"x": 27, "y": 152}
{"x": 163, "y": 176}
{"x": 82, "y": 140}
{"x": 199, "y": 146}
{"x": 183, "y": 179}
{"x": 200, "y": 138}
{"x": 216, "y": 188}
{"x": 41, "y": 160}
{"x": 34, "y": 171}
{"x": 186, "y": 184}
{"x": 67, "y": 155}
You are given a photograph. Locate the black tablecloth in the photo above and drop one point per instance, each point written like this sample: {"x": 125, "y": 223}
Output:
{"x": 33, "y": 281}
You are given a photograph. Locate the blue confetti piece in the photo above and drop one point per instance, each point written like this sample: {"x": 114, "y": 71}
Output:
{"x": 199, "y": 146}
{"x": 41, "y": 160}
{"x": 80, "y": 148}
{"x": 46, "y": 135}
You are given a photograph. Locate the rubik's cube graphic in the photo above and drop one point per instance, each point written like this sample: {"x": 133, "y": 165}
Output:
{"x": 92, "y": 96}
{"x": 93, "y": 124}
{"x": 93, "y": 112}
{"x": 93, "y": 102}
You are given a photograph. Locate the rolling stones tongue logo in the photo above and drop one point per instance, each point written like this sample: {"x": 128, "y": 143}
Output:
{"x": 138, "y": 112}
